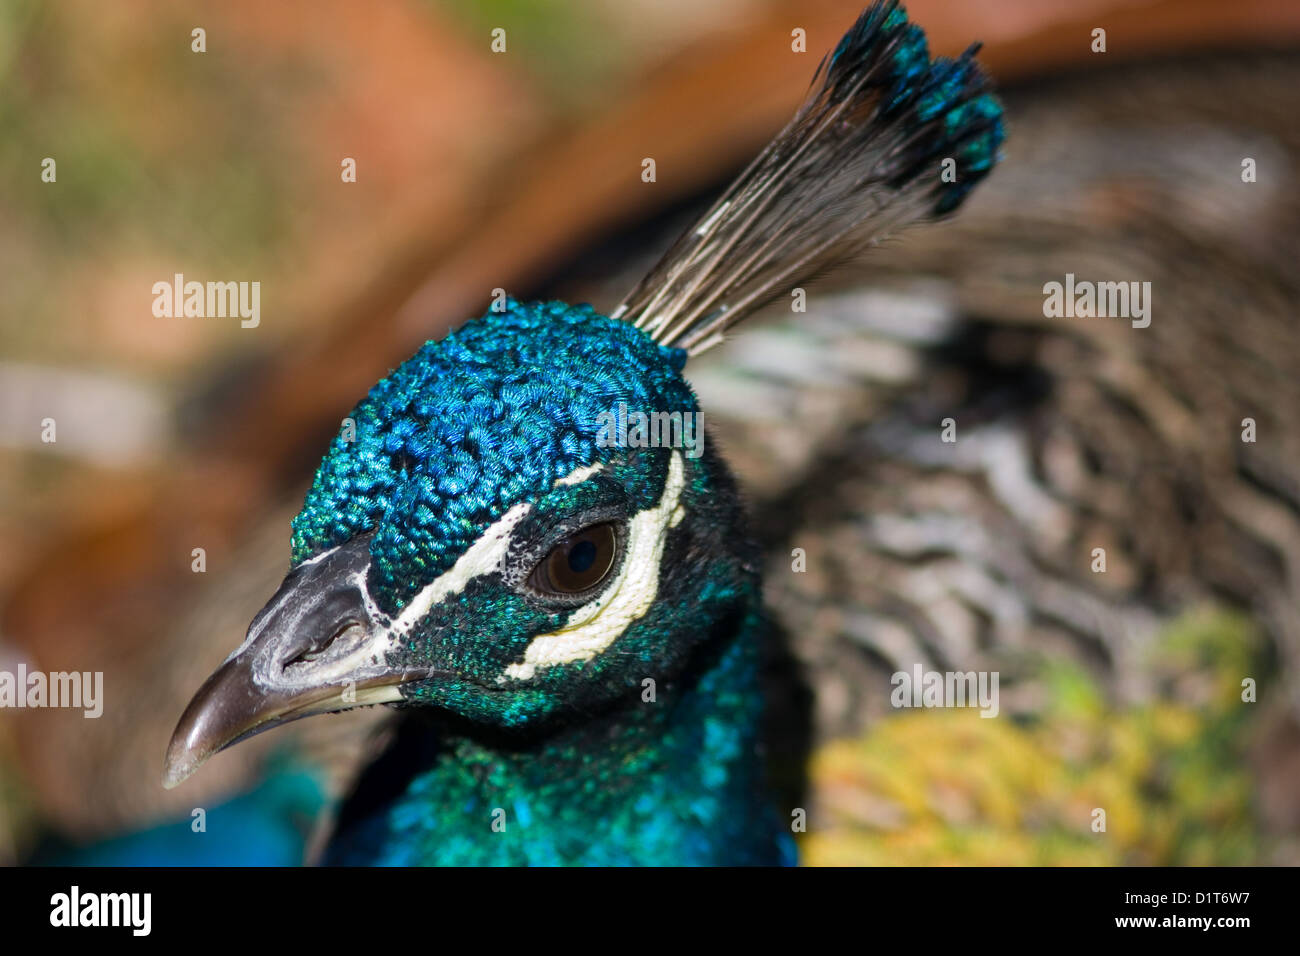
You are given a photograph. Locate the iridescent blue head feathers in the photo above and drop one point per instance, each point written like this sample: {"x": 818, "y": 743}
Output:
{"x": 490, "y": 416}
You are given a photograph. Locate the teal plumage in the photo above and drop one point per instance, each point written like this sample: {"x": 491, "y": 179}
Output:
{"x": 269, "y": 825}
{"x": 573, "y": 624}
{"x": 673, "y": 783}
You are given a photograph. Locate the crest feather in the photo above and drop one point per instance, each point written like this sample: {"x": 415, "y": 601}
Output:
{"x": 861, "y": 158}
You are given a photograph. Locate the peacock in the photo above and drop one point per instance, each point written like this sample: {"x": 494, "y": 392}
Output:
{"x": 570, "y": 615}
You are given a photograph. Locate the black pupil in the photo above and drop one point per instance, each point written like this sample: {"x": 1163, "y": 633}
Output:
{"x": 582, "y": 556}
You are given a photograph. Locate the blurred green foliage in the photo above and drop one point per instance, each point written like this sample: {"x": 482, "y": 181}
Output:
{"x": 574, "y": 49}
{"x": 944, "y": 787}
{"x": 161, "y": 155}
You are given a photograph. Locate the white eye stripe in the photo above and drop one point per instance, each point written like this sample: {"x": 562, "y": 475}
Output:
{"x": 483, "y": 557}
{"x": 596, "y": 625}
{"x": 578, "y": 475}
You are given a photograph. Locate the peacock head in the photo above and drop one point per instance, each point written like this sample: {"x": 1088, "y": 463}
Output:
{"x": 482, "y": 539}
{"x": 488, "y": 534}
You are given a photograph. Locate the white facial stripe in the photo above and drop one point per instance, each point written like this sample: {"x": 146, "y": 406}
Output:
{"x": 483, "y": 557}
{"x": 578, "y": 475}
{"x": 595, "y": 626}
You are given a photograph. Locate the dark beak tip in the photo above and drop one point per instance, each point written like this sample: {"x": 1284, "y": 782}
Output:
{"x": 204, "y": 727}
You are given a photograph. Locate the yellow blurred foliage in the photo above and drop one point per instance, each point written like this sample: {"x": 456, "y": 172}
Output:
{"x": 949, "y": 787}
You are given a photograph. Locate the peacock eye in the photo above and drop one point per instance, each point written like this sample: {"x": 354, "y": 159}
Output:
{"x": 578, "y": 563}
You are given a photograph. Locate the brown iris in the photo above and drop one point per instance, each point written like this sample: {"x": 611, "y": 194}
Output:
{"x": 578, "y": 563}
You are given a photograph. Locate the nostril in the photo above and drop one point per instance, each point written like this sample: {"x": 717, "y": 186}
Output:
{"x": 317, "y": 649}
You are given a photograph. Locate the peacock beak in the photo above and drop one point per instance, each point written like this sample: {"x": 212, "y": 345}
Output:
{"x": 318, "y": 646}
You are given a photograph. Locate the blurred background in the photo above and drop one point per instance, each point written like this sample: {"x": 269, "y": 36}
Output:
{"x": 475, "y": 169}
